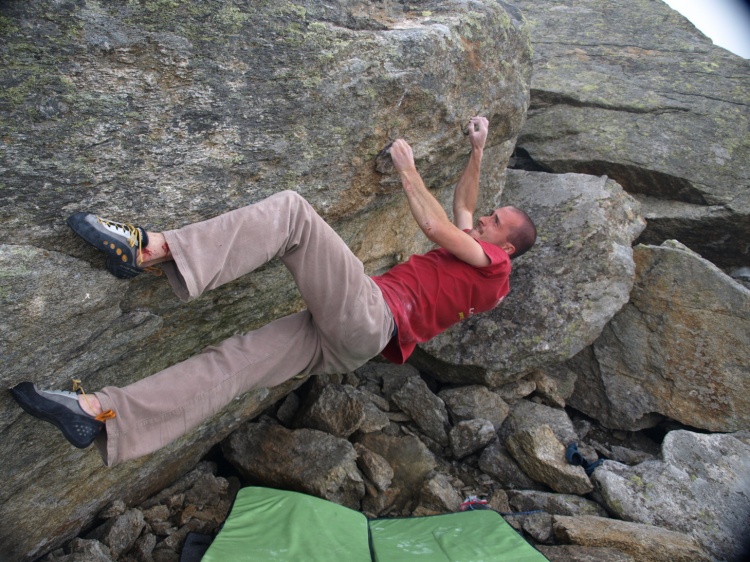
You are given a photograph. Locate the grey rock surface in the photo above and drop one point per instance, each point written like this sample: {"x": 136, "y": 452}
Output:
{"x": 426, "y": 409}
{"x": 571, "y": 553}
{"x": 542, "y": 457}
{"x": 474, "y": 401}
{"x": 439, "y": 496}
{"x": 306, "y": 460}
{"x": 374, "y": 467}
{"x": 644, "y": 542}
{"x": 700, "y": 487}
{"x": 555, "y": 504}
{"x": 563, "y": 292}
{"x": 168, "y": 113}
{"x": 120, "y": 533}
{"x": 335, "y": 409}
{"x": 470, "y": 436}
{"x": 633, "y": 90}
{"x": 409, "y": 458}
{"x": 497, "y": 461}
{"x": 678, "y": 349}
{"x": 526, "y": 414}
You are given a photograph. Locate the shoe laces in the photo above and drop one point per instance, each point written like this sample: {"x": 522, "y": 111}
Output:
{"x": 129, "y": 231}
{"x": 106, "y": 415}
{"x": 135, "y": 237}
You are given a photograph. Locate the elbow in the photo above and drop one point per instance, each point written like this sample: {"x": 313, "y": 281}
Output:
{"x": 434, "y": 233}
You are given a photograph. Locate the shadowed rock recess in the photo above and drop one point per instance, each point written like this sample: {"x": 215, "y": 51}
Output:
{"x": 633, "y": 128}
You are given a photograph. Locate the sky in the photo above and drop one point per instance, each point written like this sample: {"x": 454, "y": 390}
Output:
{"x": 726, "y": 22}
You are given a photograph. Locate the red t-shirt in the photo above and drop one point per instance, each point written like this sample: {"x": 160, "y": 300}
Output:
{"x": 431, "y": 292}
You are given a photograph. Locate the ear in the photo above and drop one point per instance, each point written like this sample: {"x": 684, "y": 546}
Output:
{"x": 509, "y": 248}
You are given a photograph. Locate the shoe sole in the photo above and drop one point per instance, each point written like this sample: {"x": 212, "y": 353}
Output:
{"x": 79, "y": 430}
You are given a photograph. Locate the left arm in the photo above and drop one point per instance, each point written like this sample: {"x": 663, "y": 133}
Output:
{"x": 467, "y": 188}
{"x": 429, "y": 214}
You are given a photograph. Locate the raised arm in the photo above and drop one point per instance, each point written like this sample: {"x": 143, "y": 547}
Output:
{"x": 467, "y": 189}
{"x": 429, "y": 214}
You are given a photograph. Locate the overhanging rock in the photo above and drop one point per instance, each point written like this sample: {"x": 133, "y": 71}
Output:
{"x": 166, "y": 113}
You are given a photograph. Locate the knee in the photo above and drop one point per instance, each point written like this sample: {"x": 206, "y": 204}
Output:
{"x": 292, "y": 198}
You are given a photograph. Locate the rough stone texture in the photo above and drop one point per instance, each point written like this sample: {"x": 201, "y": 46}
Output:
{"x": 120, "y": 533}
{"x": 470, "y": 436}
{"x": 541, "y": 455}
{"x": 438, "y": 496}
{"x": 410, "y": 459}
{"x": 474, "y": 401}
{"x": 632, "y": 90}
{"x": 374, "y": 467}
{"x": 526, "y": 414}
{"x": 172, "y": 112}
{"x": 82, "y": 550}
{"x": 701, "y": 487}
{"x": 644, "y": 542}
{"x": 337, "y": 410}
{"x": 679, "y": 348}
{"x": 306, "y": 460}
{"x": 555, "y": 504}
{"x": 498, "y": 463}
{"x": 539, "y": 527}
{"x": 563, "y": 291}
{"x": 569, "y": 553}
{"x": 514, "y": 391}
{"x": 425, "y": 408}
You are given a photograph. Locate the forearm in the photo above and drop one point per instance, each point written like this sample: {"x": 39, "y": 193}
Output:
{"x": 467, "y": 188}
{"x": 427, "y": 211}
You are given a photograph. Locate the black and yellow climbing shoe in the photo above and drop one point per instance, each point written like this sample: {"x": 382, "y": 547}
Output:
{"x": 120, "y": 241}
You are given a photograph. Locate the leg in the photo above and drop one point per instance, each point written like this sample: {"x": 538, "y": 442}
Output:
{"x": 347, "y": 323}
{"x": 347, "y": 306}
{"x": 155, "y": 411}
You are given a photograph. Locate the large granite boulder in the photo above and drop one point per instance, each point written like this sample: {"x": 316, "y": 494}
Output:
{"x": 170, "y": 112}
{"x": 630, "y": 89}
{"x": 678, "y": 349}
{"x": 563, "y": 292}
{"x": 700, "y": 487}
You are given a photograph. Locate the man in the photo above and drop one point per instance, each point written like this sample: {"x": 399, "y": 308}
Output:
{"x": 350, "y": 317}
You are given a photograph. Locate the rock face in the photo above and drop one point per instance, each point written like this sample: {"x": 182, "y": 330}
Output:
{"x": 563, "y": 291}
{"x": 167, "y": 113}
{"x": 679, "y": 348}
{"x": 643, "y": 542}
{"x": 632, "y": 90}
{"x": 306, "y": 460}
{"x": 700, "y": 487}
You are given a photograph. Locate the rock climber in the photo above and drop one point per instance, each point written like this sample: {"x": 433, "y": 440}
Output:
{"x": 350, "y": 317}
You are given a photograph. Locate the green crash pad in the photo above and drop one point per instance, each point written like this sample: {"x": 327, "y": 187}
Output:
{"x": 276, "y": 525}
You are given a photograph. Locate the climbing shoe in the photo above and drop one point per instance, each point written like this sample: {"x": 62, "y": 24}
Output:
{"x": 61, "y": 408}
{"x": 120, "y": 241}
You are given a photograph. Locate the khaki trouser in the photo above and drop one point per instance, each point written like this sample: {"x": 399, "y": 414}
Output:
{"x": 347, "y": 322}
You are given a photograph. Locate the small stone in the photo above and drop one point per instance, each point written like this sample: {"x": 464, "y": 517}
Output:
{"x": 143, "y": 548}
{"x": 115, "y": 509}
{"x": 374, "y": 467}
{"x": 158, "y": 513}
{"x": 470, "y": 436}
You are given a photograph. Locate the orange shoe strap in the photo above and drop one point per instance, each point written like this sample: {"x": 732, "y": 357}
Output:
{"x": 108, "y": 415}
